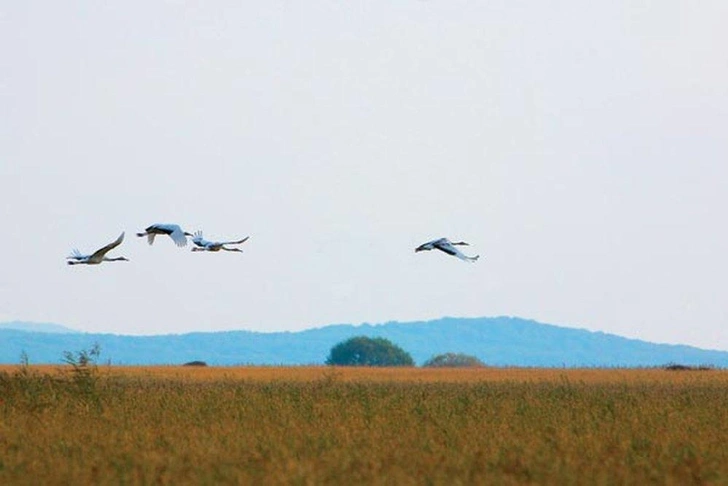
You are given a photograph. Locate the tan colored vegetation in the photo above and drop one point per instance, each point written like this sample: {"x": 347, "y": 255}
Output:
{"x": 323, "y": 425}
{"x": 399, "y": 374}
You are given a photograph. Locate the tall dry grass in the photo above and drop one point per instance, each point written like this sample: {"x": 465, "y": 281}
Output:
{"x": 172, "y": 425}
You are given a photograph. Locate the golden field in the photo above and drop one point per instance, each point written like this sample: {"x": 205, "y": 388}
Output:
{"x": 324, "y": 425}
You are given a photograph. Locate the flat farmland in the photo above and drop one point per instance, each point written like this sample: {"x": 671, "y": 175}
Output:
{"x": 324, "y": 425}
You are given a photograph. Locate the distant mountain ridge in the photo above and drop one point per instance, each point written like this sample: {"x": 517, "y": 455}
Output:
{"x": 497, "y": 341}
{"x": 36, "y": 327}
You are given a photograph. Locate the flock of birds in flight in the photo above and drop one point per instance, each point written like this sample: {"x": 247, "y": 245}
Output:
{"x": 179, "y": 237}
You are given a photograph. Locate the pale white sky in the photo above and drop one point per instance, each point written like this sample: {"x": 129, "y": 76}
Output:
{"x": 580, "y": 147}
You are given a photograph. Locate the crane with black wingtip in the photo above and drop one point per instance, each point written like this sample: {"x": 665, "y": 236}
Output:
{"x": 447, "y": 246}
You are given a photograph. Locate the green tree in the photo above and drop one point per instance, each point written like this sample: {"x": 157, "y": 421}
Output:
{"x": 365, "y": 351}
{"x": 453, "y": 360}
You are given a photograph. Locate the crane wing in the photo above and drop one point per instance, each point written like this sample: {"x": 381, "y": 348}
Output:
{"x": 178, "y": 236}
{"x": 237, "y": 242}
{"x": 446, "y": 247}
{"x": 197, "y": 239}
{"x": 103, "y": 251}
{"x": 76, "y": 255}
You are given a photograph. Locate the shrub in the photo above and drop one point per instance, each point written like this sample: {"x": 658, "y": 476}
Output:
{"x": 195, "y": 363}
{"x": 680, "y": 367}
{"x": 85, "y": 373}
{"x": 453, "y": 360}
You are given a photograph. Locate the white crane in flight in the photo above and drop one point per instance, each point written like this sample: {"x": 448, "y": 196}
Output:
{"x": 202, "y": 244}
{"x": 447, "y": 246}
{"x": 77, "y": 258}
{"x": 172, "y": 230}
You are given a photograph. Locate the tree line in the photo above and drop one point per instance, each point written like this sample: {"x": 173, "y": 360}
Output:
{"x": 366, "y": 351}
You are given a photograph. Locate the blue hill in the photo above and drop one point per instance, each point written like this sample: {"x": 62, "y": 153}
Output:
{"x": 36, "y": 327}
{"x": 498, "y": 341}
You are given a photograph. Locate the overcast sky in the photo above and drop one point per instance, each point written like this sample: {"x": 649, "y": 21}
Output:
{"x": 580, "y": 148}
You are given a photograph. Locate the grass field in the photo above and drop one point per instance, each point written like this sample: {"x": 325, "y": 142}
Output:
{"x": 322, "y": 425}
